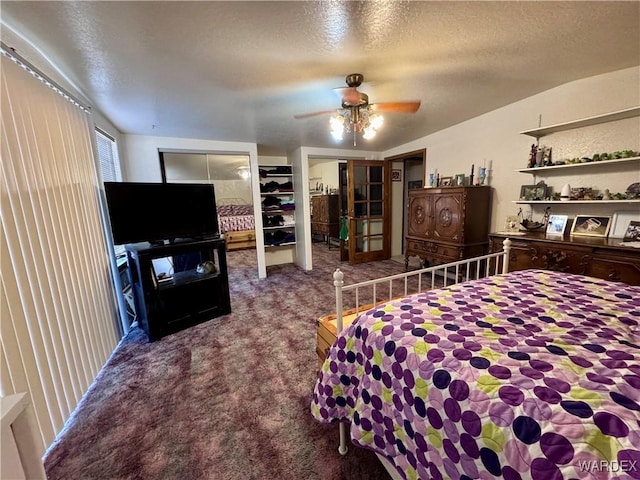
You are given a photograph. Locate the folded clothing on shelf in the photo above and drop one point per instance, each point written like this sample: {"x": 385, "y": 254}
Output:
{"x": 285, "y": 187}
{"x": 279, "y": 237}
{"x": 287, "y": 205}
{"x": 270, "y": 201}
{"x": 272, "y": 220}
{"x": 280, "y": 170}
{"x": 288, "y": 221}
{"x": 271, "y": 187}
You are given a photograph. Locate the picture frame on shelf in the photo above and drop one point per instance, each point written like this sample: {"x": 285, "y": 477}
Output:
{"x": 446, "y": 181}
{"x": 512, "y": 223}
{"x": 591, "y": 225}
{"x": 533, "y": 192}
{"x": 557, "y": 224}
{"x": 632, "y": 233}
{"x": 620, "y": 222}
{"x": 460, "y": 180}
{"x": 414, "y": 184}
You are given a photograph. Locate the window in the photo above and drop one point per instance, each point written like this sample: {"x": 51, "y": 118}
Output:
{"x": 108, "y": 156}
{"x": 110, "y": 168}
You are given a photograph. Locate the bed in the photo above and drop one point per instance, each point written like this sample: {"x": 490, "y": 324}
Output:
{"x": 237, "y": 223}
{"x": 531, "y": 374}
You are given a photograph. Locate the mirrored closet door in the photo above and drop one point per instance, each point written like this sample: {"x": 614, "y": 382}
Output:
{"x": 231, "y": 176}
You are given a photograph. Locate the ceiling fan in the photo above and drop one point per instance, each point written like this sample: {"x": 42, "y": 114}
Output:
{"x": 356, "y": 113}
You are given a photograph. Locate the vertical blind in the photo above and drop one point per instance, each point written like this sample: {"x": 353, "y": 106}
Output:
{"x": 59, "y": 316}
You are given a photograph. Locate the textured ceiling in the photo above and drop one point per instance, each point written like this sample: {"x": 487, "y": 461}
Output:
{"x": 240, "y": 71}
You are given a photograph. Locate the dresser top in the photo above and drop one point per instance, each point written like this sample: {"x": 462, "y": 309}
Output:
{"x": 578, "y": 240}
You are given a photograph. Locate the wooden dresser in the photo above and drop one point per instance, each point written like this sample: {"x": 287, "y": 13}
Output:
{"x": 325, "y": 218}
{"x": 448, "y": 223}
{"x": 596, "y": 257}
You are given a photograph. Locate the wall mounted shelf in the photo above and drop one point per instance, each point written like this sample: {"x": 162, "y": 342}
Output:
{"x": 578, "y": 165}
{"x": 584, "y": 122}
{"x": 571, "y": 202}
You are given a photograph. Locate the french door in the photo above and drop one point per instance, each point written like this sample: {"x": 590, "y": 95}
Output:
{"x": 368, "y": 210}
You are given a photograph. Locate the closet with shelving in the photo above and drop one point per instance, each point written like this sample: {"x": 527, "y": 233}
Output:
{"x": 277, "y": 205}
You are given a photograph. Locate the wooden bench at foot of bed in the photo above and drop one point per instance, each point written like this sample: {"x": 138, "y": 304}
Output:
{"x": 327, "y": 332}
{"x": 240, "y": 239}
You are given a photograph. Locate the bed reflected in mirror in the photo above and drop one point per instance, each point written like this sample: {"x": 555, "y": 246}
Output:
{"x": 231, "y": 176}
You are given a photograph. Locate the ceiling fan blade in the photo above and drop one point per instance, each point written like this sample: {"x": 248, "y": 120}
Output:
{"x": 313, "y": 114}
{"x": 348, "y": 95}
{"x": 405, "y": 107}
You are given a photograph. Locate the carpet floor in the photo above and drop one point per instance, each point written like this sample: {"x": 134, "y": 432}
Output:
{"x": 225, "y": 399}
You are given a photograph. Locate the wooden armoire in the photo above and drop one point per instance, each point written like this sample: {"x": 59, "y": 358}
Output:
{"x": 325, "y": 215}
{"x": 447, "y": 224}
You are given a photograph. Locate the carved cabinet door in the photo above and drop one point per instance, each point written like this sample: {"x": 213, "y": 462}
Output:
{"x": 419, "y": 214}
{"x": 320, "y": 209}
{"x": 447, "y": 215}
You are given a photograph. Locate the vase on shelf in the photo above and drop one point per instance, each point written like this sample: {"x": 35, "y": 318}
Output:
{"x": 482, "y": 175}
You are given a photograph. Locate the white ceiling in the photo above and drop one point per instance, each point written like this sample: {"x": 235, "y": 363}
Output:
{"x": 240, "y": 71}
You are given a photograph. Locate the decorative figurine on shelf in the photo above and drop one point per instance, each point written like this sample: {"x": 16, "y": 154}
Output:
{"x": 546, "y": 157}
{"x": 532, "y": 156}
{"x": 529, "y": 224}
{"x": 482, "y": 175}
{"x": 606, "y": 195}
{"x": 633, "y": 191}
{"x": 540, "y": 156}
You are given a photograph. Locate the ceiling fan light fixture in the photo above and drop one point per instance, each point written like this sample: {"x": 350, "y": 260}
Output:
{"x": 337, "y": 126}
{"x": 376, "y": 121}
{"x": 357, "y": 115}
{"x": 356, "y": 119}
{"x": 368, "y": 133}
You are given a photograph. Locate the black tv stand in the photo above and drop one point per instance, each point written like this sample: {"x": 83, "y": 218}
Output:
{"x": 186, "y": 298}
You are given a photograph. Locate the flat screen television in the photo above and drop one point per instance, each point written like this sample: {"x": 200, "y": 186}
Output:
{"x": 155, "y": 212}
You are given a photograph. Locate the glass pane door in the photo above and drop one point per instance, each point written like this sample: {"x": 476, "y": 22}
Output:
{"x": 368, "y": 210}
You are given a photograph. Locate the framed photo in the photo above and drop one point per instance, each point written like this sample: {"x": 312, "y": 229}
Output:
{"x": 621, "y": 221}
{"x": 414, "y": 184}
{"x": 396, "y": 175}
{"x": 533, "y": 192}
{"x": 557, "y": 224}
{"x": 591, "y": 225}
{"x": 633, "y": 232}
{"x": 446, "y": 181}
{"x": 512, "y": 224}
{"x": 460, "y": 180}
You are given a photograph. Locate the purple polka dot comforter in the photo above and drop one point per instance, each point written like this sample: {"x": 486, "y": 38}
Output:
{"x": 528, "y": 375}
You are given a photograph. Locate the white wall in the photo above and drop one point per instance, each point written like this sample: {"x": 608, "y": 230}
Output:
{"x": 494, "y": 138}
{"x": 142, "y": 163}
{"x": 324, "y": 171}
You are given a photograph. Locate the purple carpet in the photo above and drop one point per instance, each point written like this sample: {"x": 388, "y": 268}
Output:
{"x": 226, "y": 399}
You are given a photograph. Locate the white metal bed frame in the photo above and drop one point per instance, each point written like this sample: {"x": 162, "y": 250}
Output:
{"x": 463, "y": 270}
